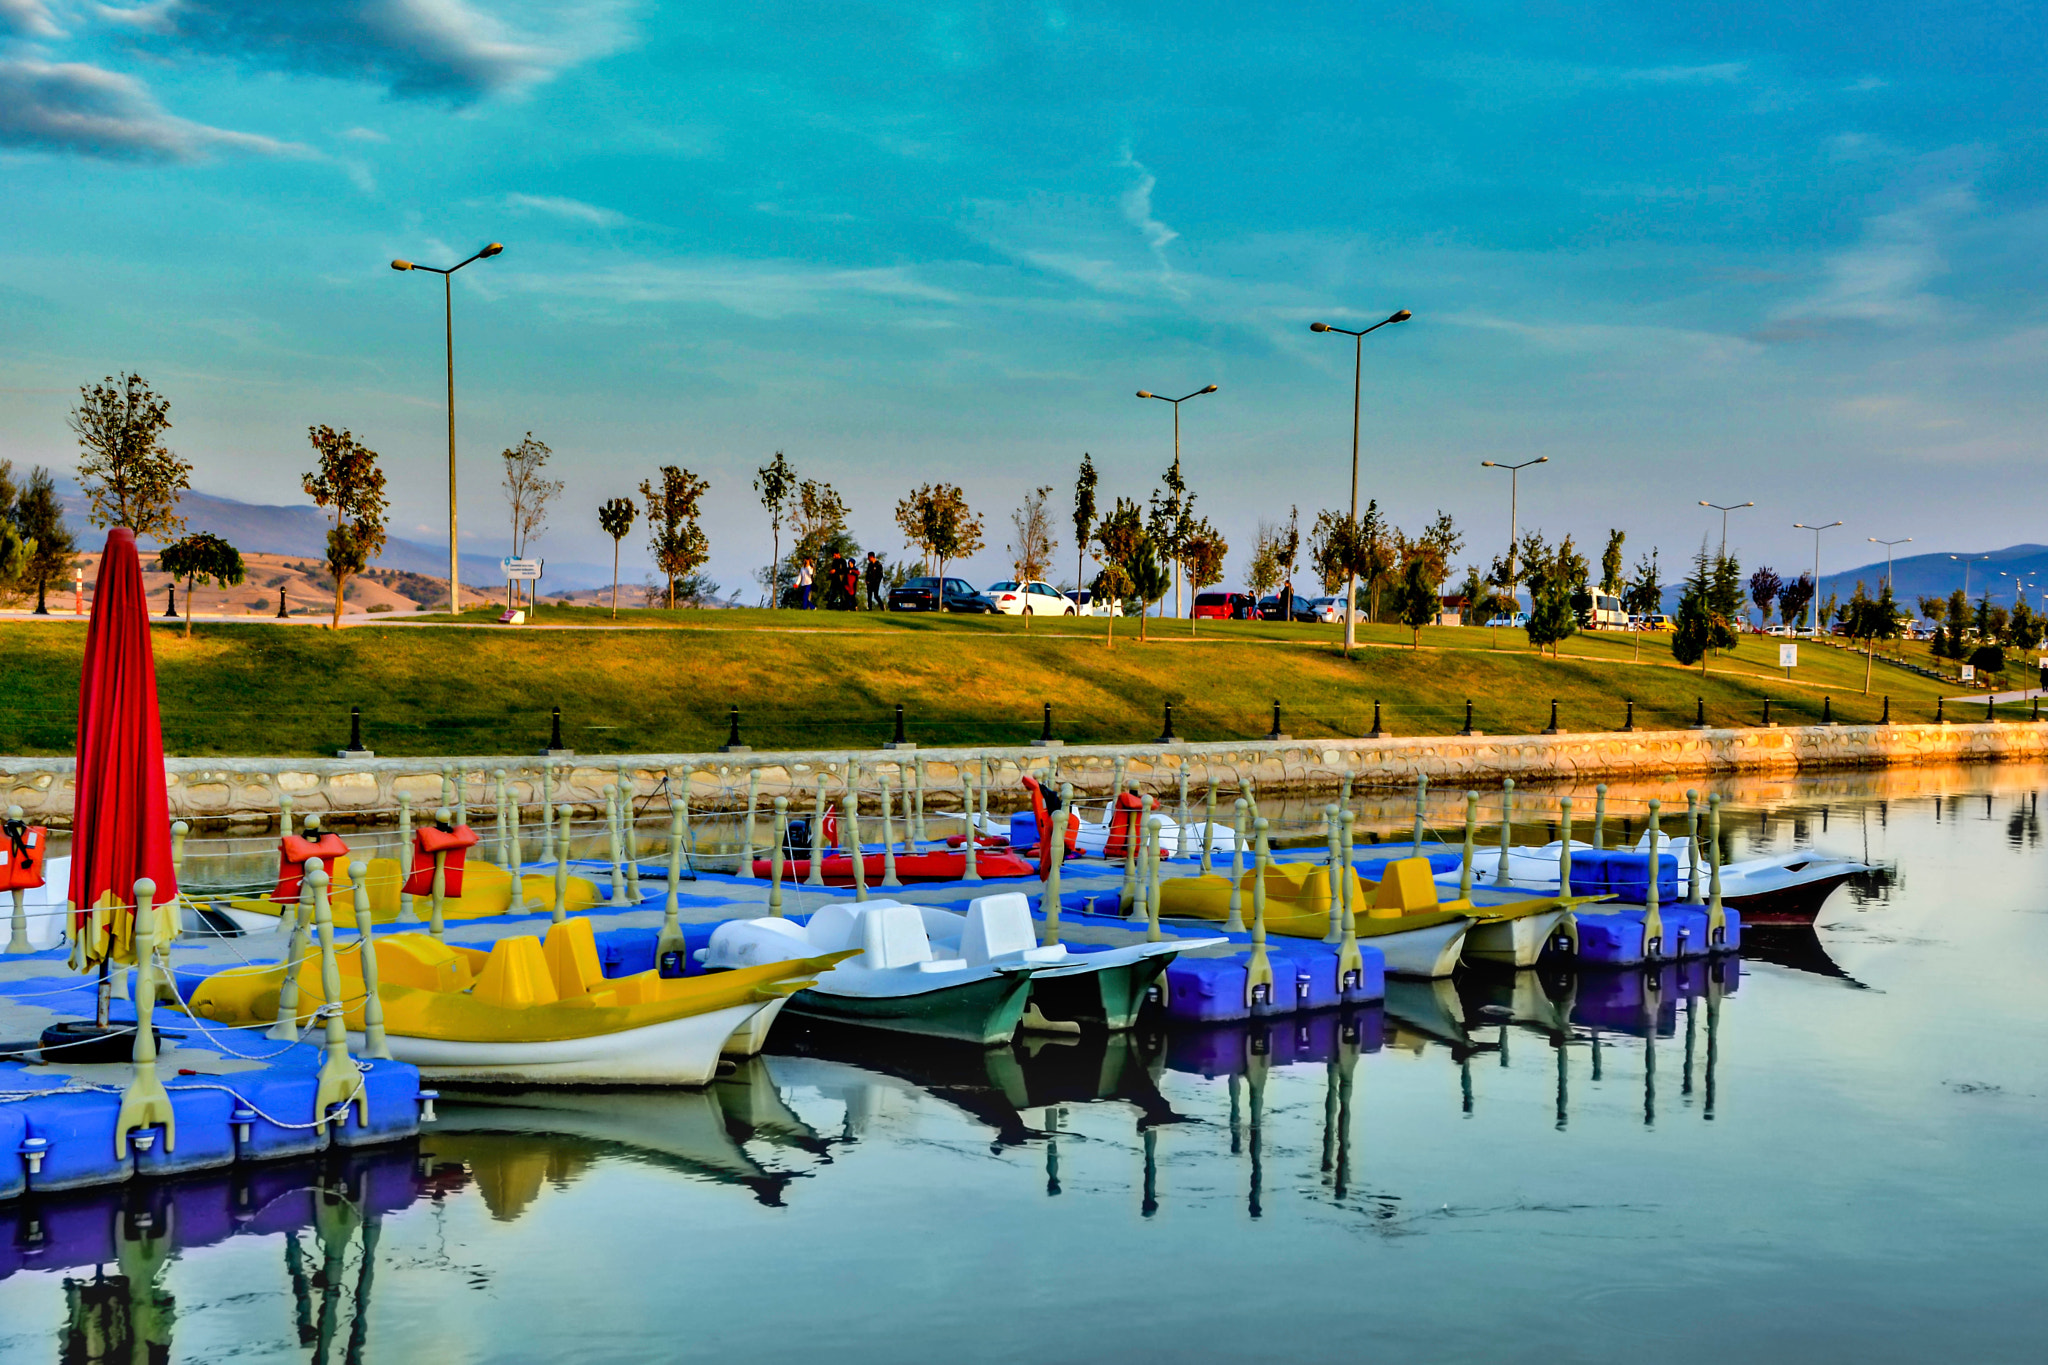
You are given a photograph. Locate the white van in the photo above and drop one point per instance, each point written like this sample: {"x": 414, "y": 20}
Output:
{"x": 1608, "y": 613}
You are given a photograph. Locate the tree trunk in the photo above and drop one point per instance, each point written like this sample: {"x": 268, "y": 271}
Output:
{"x": 42, "y": 608}
{"x": 774, "y": 565}
{"x": 940, "y": 594}
{"x": 339, "y": 582}
{"x": 615, "y": 580}
{"x": 188, "y": 611}
{"x": 1866, "y": 668}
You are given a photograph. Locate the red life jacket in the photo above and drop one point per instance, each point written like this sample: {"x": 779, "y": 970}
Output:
{"x": 426, "y": 842}
{"x": 292, "y": 852}
{"x": 21, "y": 856}
{"x": 1045, "y": 827}
{"x": 1123, "y": 825}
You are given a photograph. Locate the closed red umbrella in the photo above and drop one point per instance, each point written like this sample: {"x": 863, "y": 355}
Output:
{"x": 120, "y": 823}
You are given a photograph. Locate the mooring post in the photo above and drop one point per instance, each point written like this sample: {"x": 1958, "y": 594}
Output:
{"x": 1653, "y": 923}
{"x": 629, "y": 831}
{"x": 284, "y": 816}
{"x": 970, "y": 872}
{"x": 547, "y": 810}
{"x": 461, "y": 795}
{"x": 1468, "y": 730}
{"x": 563, "y": 813}
{"x": 1116, "y": 785}
{"x": 889, "y": 877}
{"x": 611, "y": 820}
{"x": 145, "y": 1104}
{"x": 1180, "y": 846}
{"x": 1694, "y": 892}
{"x": 1507, "y": 827}
{"x": 1376, "y": 732}
{"x": 405, "y": 910}
{"x": 1049, "y": 902}
{"x": 1156, "y": 828}
{"x": 1564, "y": 846}
{"x": 747, "y": 834}
{"x": 775, "y": 854}
{"x": 671, "y": 937}
{"x": 814, "y": 875}
{"x": 1209, "y": 827}
{"x": 1166, "y": 736}
{"x": 1334, "y": 933}
{"x": 1133, "y": 834}
{"x": 1277, "y": 735}
{"x": 919, "y": 834}
{"x": 375, "y": 1045}
{"x": 1258, "y": 969}
{"x": 1629, "y": 721}
{"x": 1717, "y": 915}
{"x": 498, "y": 776}
{"x": 1421, "y": 808}
{"x": 286, "y": 1027}
{"x": 1350, "y": 962}
{"x": 1239, "y": 810}
{"x": 858, "y": 853}
{"x": 340, "y": 1083}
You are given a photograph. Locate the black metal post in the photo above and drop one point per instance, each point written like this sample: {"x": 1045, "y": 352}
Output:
{"x": 1468, "y": 718}
{"x": 282, "y": 612}
{"x": 1046, "y": 733}
{"x": 1630, "y": 722}
{"x": 899, "y": 723}
{"x": 1827, "y": 710}
{"x": 1276, "y": 734}
{"x": 1990, "y": 708}
{"x": 1939, "y": 703}
{"x": 1553, "y": 717}
{"x": 555, "y": 729}
{"x": 1767, "y": 711}
{"x": 1699, "y": 716}
{"x": 2037, "y": 708}
{"x": 733, "y": 744}
{"x": 171, "y": 607}
{"x": 1167, "y": 736}
{"x": 1376, "y": 732}
{"x": 1886, "y": 718}
{"x": 355, "y": 729}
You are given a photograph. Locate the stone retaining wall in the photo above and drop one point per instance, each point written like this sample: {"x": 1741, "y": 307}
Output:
{"x": 222, "y": 791}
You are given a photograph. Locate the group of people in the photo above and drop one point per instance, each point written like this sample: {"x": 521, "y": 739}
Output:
{"x": 841, "y": 583}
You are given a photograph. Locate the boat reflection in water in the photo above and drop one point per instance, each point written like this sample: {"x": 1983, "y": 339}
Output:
{"x": 112, "y": 1245}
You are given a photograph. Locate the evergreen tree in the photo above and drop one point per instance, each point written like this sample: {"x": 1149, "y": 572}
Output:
{"x": 1693, "y": 635}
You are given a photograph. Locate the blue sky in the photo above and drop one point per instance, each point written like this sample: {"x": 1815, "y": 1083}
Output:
{"x": 1789, "y": 254}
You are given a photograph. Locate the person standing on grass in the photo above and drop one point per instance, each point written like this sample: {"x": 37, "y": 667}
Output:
{"x": 803, "y": 585}
{"x": 852, "y": 584}
{"x": 874, "y": 577}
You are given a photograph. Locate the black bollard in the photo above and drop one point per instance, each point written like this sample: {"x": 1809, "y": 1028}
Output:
{"x": 899, "y": 742}
{"x": 555, "y": 729}
{"x": 1276, "y": 734}
{"x": 1767, "y": 712}
{"x": 171, "y": 601}
{"x": 1376, "y": 732}
{"x": 1990, "y": 708}
{"x": 1468, "y": 730}
{"x": 1886, "y": 718}
{"x": 1699, "y": 717}
{"x": 2037, "y": 708}
{"x": 355, "y": 734}
{"x": 1553, "y": 718}
{"x": 732, "y": 743}
{"x": 282, "y": 612}
{"x": 1629, "y": 723}
{"x": 1167, "y": 736}
{"x": 1939, "y": 703}
{"x": 1045, "y": 739}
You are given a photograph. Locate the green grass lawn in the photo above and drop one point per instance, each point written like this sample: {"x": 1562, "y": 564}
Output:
{"x": 831, "y": 680}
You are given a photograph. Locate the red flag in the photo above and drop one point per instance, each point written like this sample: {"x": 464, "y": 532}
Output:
{"x": 120, "y": 822}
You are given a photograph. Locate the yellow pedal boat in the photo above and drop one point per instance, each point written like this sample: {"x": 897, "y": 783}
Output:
{"x": 486, "y": 891}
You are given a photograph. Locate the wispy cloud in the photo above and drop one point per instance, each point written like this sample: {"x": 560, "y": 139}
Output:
{"x": 1883, "y": 278}
{"x": 1136, "y": 204}
{"x": 762, "y": 289}
{"x": 73, "y": 107}
{"x": 28, "y": 19}
{"x": 575, "y": 210}
{"x": 364, "y": 135}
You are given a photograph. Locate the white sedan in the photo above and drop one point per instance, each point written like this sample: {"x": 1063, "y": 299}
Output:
{"x": 1327, "y": 608}
{"x": 1029, "y": 599}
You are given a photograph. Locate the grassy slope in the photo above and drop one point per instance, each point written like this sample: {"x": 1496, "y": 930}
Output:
{"x": 832, "y": 682}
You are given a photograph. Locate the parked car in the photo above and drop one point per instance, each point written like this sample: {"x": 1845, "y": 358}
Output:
{"x": 1329, "y": 609}
{"x": 1088, "y": 604}
{"x": 1297, "y": 610}
{"x": 1029, "y": 599}
{"x": 922, "y": 594}
{"x": 1517, "y": 621}
{"x": 1608, "y": 613}
{"x": 1223, "y": 606}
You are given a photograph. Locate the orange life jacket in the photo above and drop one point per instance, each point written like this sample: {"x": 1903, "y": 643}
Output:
{"x": 1123, "y": 825}
{"x": 21, "y": 856}
{"x": 426, "y": 842}
{"x": 292, "y": 852}
{"x": 1045, "y": 827}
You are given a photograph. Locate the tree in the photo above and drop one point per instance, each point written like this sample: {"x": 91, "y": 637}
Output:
{"x": 615, "y": 519}
{"x": 1645, "y": 595}
{"x": 1612, "y": 583}
{"x": 1693, "y": 635}
{"x": 1084, "y": 512}
{"x": 936, "y": 519}
{"x": 1416, "y": 600}
{"x": 528, "y": 492}
{"x": 205, "y": 558}
{"x": 1958, "y": 625}
{"x": 1262, "y": 575}
{"x": 1201, "y": 559}
{"x": 1121, "y": 543}
{"x": 131, "y": 477}
{"x": 673, "y": 535}
{"x": 1329, "y": 546}
{"x": 1932, "y": 608}
{"x": 1764, "y": 587}
{"x": 349, "y": 481}
{"x": 775, "y": 482}
{"x": 39, "y": 517}
{"x": 1552, "y": 573}
{"x": 1793, "y": 597}
{"x": 1031, "y": 551}
{"x": 1373, "y": 554}
{"x": 817, "y": 517}
{"x": 1724, "y": 599}
{"x": 1869, "y": 620}
{"x": 16, "y": 548}
{"x": 1171, "y": 521}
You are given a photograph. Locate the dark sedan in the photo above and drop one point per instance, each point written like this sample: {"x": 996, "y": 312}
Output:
{"x": 1269, "y": 610}
{"x": 922, "y": 594}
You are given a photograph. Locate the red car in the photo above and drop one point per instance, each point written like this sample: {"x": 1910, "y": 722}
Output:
{"x": 1222, "y": 606}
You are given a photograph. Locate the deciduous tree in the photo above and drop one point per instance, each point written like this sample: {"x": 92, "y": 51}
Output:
{"x": 131, "y": 477}
{"x": 1031, "y": 550}
{"x": 776, "y": 483}
{"x": 528, "y": 491}
{"x": 676, "y": 540}
{"x": 1201, "y": 558}
{"x": 615, "y": 519}
{"x": 348, "y": 481}
{"x": 936, "y": 519}
{"x": 206, "y": 558}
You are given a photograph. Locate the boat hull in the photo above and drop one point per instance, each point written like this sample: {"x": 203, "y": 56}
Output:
{"x": 1800, "y": 904}
{"x": 1520, "y": 941}
{"x": 675, "y": 1052}
{"x": 749, "y": 1038}
{"x": 1091, "y": 1002}
{"x": 984, "y": 1011}
{"x": 1431, "y": 951}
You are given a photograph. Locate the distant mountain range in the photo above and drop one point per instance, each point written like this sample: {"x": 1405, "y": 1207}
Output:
{"x": 1939, "y": 574}
{"x": 258, "y": 529}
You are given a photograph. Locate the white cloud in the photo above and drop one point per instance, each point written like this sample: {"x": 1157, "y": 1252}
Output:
{"x": 28, "y": 19}
{"x": 1136, "y": 204}
{"x": 364, "y": 135}
{"x": 573, "y": 209}
{"x": 1715, "y": 73}
{"x": 72, "y": 107}
{"x": 762, "y": 289}
{"x": 1883, "y": 278}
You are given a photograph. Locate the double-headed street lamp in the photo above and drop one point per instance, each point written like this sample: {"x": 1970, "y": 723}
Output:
{"x": 1514, "y": 514}
{"x": 1813, "y": 609}
{"x": 1357, "y": 380}
{"x": 1903, "y": 540}
{"x": 1967, "y": 560}
{"x": 1724, "y": 511}
{"x": 1146, "y": 393}
{"x": 448, "y": 304}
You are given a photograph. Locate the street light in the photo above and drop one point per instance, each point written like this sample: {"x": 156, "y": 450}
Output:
{"x": 1813, "y": 609}
{"x": 1724, "y": 511}
{"x": 448, "y": 305}
{"x": 1357, "y": 379}
{"x": 1904, "y": 540}
{"x": 1967, "y": 560}
{"x": 1146, "y": 393}
{"x": 2019, "y": 586}
{"x": 1514, "y": 513}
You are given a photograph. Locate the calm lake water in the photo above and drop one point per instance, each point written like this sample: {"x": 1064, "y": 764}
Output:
{"x": 1831, "y": 1152}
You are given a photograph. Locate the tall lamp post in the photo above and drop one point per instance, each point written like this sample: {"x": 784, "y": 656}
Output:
{"x": 1357, "y": 381}
{"x": 1967, "y": 560}
{"x": 1514, "y": 515}
{"x": 1146, "y": 393}
{"x": 448, "y": 306}
{"x": 1724, "y": 511}
{"x": 1813, "y": 607}
{"x": 2019, "y": 586}
{"x": 1903, "y": 540}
